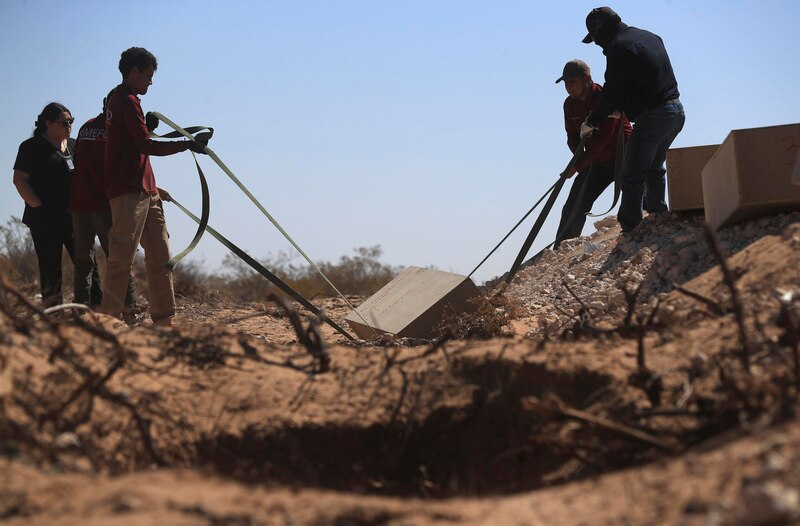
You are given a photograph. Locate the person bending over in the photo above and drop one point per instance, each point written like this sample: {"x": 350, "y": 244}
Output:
{"x": 595, "y": 168}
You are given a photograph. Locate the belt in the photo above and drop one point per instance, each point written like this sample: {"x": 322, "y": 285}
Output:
{"x": 661, "y": 104}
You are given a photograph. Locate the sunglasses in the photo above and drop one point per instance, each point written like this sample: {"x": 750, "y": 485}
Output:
{"x": 66, "y": 123}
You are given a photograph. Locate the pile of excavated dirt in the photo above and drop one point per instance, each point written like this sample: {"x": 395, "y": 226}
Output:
{"x": 664, "y": 251}
{"x": 607, "y": 398}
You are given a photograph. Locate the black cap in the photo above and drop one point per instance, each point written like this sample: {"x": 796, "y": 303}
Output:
{"x": 597, "y": 18}
{"x": 573, "y": 68}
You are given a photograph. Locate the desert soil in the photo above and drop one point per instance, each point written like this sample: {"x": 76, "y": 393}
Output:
{"x": 590, "y": 391}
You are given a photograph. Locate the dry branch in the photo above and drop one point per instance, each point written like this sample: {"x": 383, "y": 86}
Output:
{"x": 555, "y": 406}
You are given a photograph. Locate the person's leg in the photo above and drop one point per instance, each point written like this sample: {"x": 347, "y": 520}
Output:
{"x": 650, "y": 130}
{"x": 155, "y": 241}
{"x": 83, "y": 235}
{"x": 68, "y": 243}
{"x": 102, "y": 227}
{"x": 97, "y": 225}
{"x": 47, "y": 243}
{"x": 569, "y": 217}
{"x": 129, "y": 214}
{"x": 655, "y": 191}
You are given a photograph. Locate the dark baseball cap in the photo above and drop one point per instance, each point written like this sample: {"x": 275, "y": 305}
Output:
{"x": 573, "y": 68}
{"x": 597, "y": 18}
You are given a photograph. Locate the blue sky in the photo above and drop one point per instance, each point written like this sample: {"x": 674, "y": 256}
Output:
{"x": 428, "y": 127}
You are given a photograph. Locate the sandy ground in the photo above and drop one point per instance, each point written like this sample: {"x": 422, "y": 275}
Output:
{"x": 608, "y": 397}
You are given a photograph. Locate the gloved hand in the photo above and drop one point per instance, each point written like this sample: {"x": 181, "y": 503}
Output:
{"x": 164, "y": 195}
{"x": 198, "y": 147}
{"x": 151, "y": 121}
{"x": 586, "y": 130}
{"x": 200, "y": 142}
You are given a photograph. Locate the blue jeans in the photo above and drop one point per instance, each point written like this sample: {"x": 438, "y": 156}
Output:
{"x": 643, "y": 174}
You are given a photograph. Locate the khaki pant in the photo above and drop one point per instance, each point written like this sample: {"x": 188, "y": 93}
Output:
{"x": 138, "y": 218}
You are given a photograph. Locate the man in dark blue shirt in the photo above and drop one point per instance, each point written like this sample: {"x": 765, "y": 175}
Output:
{"x": 639, "y": 82}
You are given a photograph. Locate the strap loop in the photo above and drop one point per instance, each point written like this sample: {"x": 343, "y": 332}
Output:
{"x": 186, "y": 133}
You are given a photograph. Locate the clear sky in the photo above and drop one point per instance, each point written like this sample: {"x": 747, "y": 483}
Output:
{"x": 428, "y": 127}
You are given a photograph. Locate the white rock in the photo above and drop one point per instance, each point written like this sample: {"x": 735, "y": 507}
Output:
{"x": 768, "y": 503}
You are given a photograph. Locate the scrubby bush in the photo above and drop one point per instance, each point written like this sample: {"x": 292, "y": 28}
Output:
{"x": 361, "y": 274}
{"x": 17, "y": 256}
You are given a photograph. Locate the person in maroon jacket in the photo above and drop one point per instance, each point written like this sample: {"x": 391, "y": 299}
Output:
{"x": 91, "y": 214}
{"x": 136, "y": 209}
{"x": 595, "y": 168}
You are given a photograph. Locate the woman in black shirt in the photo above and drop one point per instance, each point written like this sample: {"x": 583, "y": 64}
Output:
{"x": 43, "y": 176}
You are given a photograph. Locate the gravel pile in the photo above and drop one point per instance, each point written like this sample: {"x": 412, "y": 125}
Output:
{"x": 664, "y": 249}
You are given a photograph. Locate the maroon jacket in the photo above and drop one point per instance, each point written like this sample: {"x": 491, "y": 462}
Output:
{"x": 602, "y": 146}
{"x": 129, "y": 147}
{"x": 88, "y": 192}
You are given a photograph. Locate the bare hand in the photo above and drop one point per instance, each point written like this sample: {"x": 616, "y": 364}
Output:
{"x": 164, "y": 195}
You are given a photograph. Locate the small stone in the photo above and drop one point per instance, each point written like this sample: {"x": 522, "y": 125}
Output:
{"x": 68, "y": 439}
{"x": 768, "y": 503}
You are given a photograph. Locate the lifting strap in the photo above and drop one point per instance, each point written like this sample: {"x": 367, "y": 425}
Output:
{"x": 202, "y": 133}
{"x": 573, "y": 160}
{"x": 537, "y": 226}
{"x": 619, "y": 159}
{"x": 258, "y": 267}
{"x": 187, "y": 132}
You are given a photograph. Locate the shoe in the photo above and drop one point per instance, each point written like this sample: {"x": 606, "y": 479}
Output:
{"x": 659, "y": 208}
{"x": 164, "y": 324}
{"x": 130, "y": 319}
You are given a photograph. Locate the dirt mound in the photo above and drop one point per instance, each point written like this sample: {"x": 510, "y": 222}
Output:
{"x": 618, "y": 399}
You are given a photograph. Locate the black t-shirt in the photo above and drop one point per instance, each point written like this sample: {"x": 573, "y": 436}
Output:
{"x": 50, "y": 177}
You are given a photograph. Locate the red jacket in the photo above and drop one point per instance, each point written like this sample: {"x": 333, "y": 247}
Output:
{"x": 88, "y": 192}
{"x": 128, "y": 146}
{"x": 602, "y": 146}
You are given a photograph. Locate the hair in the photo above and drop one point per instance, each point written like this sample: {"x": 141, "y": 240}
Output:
{"x": 51, "y": 113}
{"x": 136, "y": 57}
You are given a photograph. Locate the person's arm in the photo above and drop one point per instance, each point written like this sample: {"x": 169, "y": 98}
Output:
{"x": 136, "y": 128}
{"x": 573, "y": 130}
{"x": 23, "y": 184}
{"x": 617, "y": 79}
{"x": 164, "y": 195}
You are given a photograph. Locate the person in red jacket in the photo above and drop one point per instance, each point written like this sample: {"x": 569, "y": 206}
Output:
{"x": 595, "y": 168}
{"x": 91, "y": 214}
{"x": 136, "y": 210}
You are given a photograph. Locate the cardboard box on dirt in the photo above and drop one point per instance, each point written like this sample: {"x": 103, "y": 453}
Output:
{"x": 750, "y": 175}
{"x": 413, "y": 304}
{"x": 684, "y": 176}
